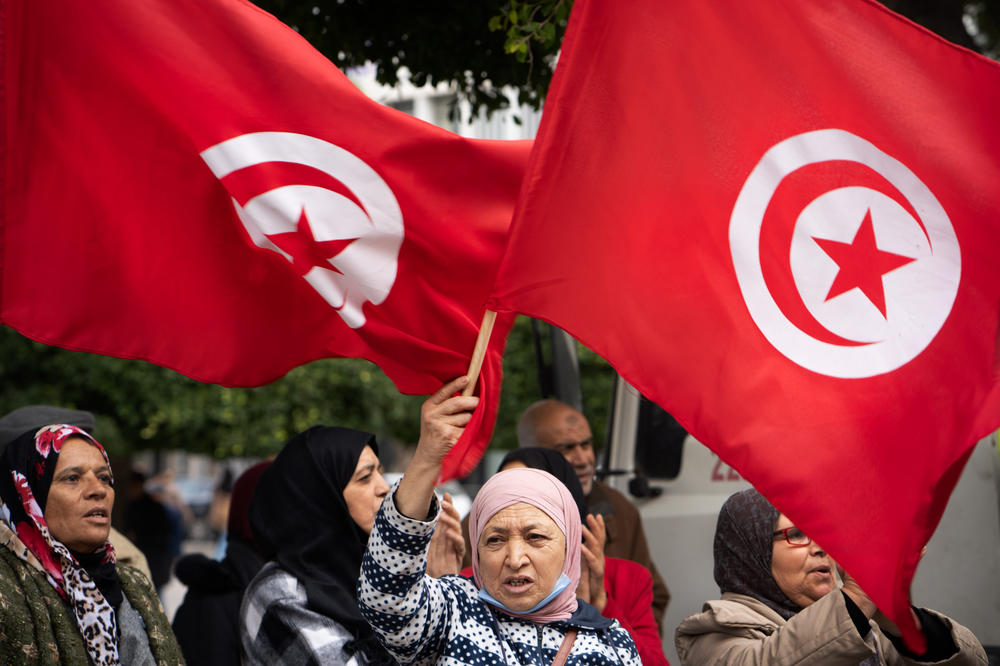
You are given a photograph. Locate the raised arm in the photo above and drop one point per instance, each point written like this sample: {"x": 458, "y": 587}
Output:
{"x": 443, "y": 418}
{"x": 409, "y": 611}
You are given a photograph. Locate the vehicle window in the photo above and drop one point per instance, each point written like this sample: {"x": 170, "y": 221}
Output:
{"x": 659, "y": 442}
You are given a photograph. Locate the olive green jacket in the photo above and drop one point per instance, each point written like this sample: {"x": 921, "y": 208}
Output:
{"x": 38, "y": 627}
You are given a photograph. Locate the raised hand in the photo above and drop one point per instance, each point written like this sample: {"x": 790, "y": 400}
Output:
{"x": 443, "y": 418}
{"x": 592, "y": 562}
{"x": 447, "y": 545}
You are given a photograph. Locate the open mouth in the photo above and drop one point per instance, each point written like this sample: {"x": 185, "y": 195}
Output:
{"x": 96, "y": 513}
{"x": 823, "y": 571}
{"x": 517, "y": 583}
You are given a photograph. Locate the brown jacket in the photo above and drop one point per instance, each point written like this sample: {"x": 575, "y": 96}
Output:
{"x": 739, "y": 630}
{"x": 627, "y": 539}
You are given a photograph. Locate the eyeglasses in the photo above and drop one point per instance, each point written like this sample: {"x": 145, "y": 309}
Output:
{"x": 794, "y": 536}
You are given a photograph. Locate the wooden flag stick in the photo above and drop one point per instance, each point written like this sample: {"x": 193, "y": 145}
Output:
{"x": 476, "y": 364}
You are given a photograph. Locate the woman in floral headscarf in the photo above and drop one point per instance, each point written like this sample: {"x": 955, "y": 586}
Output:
{"x": 63, "y": 600}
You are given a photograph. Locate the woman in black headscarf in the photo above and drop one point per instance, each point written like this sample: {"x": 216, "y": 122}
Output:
{"x": 781, "y": 604}
{"x": 311, "y": 515}
{"x": 207, "y": 623}
{"x": 63, "y": 600}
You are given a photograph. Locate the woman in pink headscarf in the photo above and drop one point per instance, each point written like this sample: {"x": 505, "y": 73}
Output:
{"x": 521, "y": 607}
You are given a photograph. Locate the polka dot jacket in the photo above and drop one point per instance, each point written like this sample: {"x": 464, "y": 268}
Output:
{"x": 424, "y": 620}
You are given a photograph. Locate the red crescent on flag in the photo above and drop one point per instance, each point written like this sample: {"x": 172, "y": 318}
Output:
{"x": 796, "y": 191}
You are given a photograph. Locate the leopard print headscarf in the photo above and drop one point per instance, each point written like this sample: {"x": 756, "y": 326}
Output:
{"x": 26, "y": 475}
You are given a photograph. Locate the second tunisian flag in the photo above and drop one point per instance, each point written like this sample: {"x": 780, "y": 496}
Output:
{"x": 189, "y": 182}
{"x": 780, "y": 220}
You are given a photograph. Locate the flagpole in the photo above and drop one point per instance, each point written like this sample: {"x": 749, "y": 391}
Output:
{"x": 476, "y": 364}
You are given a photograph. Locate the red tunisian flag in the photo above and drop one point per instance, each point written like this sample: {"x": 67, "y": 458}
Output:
{"x": 189, "y": 182}
{"x": 780, "y": 220}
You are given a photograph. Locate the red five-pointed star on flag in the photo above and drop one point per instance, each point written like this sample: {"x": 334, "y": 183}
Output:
{"x": 305, "y": 250}
{"x": 862, "y": 264}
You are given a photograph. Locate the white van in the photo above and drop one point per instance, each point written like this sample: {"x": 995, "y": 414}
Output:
{"x": 679, "y": 486}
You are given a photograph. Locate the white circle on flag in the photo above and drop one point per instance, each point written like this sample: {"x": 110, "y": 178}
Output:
{"x": 918, "y": 296}
{"x": 364, "y": 270}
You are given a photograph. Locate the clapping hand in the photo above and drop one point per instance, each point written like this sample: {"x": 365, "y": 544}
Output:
{"x": 591, "y": 587}
{"x": 447, "y": 545}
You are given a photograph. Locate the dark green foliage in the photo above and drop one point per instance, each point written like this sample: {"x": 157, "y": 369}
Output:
{"x": 437, "y": 41}
{"x": 948, "y": 18}
{"x": 484, "y": 46}
{"x": 139, "y": 405}
{"x": 985, "y": 17}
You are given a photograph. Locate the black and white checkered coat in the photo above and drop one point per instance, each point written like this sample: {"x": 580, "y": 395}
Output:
{"x": 276, "y": 627}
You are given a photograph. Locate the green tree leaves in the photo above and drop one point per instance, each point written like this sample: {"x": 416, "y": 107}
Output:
{"x": 480, "y": 47}
{"x": 139, "y": 405}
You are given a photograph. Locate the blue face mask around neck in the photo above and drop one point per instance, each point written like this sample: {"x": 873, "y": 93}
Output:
{"x": 561, "y": 584}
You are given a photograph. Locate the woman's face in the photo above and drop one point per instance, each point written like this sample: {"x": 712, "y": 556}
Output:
{"x": 78, "y": 508}
{"x": 365, "y": 490}
{"x": 804, "y": 573}
{"x": 521, "y": 555}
